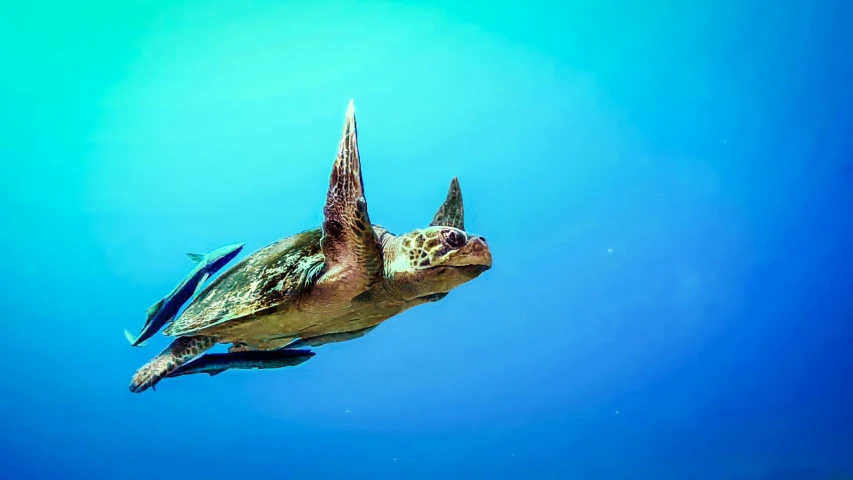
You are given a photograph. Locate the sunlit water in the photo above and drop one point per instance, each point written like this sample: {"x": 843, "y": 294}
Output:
{"x": 665, "y": 189}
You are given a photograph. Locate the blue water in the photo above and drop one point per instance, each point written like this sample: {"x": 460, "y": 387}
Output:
{"x": 666, "y": 191}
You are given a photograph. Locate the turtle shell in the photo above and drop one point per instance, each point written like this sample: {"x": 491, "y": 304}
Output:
{"x": 271, "y": 279}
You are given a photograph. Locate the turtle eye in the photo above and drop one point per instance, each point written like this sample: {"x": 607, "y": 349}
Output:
{"x": 453, "y": 238}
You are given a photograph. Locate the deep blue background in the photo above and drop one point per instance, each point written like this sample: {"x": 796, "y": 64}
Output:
{"x": 666, "y": 190}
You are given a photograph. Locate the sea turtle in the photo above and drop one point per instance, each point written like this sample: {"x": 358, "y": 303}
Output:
{"x": 329, "y": 284}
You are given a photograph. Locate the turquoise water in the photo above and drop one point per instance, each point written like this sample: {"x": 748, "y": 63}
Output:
{"x": 665, "y": 189}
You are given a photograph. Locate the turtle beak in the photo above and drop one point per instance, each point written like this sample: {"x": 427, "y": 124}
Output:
{"x": 481, "y": 252}
{"x": 475, "y": 255}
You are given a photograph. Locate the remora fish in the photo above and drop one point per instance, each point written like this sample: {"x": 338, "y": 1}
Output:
{"x": 216, "y": 363}
{"x": 167, "y": 308}
{"x": 329, "y": 338}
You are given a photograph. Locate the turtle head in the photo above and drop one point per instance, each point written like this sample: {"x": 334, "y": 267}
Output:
{"x": 436, "y": 259}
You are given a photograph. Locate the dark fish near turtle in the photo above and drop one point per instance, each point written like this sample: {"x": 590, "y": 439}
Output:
{"x": 216, "y": 363}
{"x": 165, "y": 310}
{"x": 329, "y": 338}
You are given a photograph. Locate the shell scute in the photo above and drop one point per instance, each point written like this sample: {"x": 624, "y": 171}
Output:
{"x": 274, "y": 277}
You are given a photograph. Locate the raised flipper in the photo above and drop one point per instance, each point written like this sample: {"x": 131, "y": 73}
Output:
{"x": 329, "y": 338}
{"x": 452, "y": 212}
{"x": 179, "y": 352}
{"x": 351, "y": 249}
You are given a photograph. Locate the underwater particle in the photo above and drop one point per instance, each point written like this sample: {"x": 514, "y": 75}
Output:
{"x": 347, "y": 411}
{"x": 617, "y": 412}
{"x": 609, "y": 250}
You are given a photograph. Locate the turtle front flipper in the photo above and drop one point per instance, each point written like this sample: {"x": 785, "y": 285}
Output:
{"x": 179, "y": 352}
{"x": 351, "y": 249}
{"x": 452, "y": 212}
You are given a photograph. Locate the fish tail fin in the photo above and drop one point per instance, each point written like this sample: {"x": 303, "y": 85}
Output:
{"x": 130, "y": 338}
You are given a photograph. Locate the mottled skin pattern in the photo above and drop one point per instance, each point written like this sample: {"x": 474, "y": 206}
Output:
{"x": 178, "y": 353}
{"x": 330, "y": 284}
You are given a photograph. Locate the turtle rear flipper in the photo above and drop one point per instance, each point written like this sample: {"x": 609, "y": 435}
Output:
{"x": 178, "y": 353}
